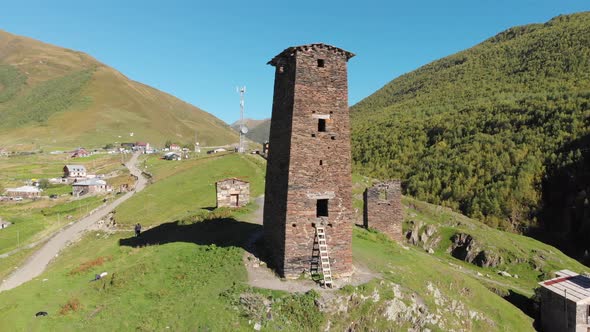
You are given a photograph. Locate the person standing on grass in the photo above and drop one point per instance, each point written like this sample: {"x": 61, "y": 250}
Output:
{"x": 137, "y": 229}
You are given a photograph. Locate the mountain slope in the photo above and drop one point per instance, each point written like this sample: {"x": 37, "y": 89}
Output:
{"x": 480, "y": 130}
{"x": 51, "y": 96}
{"x": 258, "y": 130}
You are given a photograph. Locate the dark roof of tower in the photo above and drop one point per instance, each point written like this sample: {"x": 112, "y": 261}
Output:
{"x": 289, "y": 52}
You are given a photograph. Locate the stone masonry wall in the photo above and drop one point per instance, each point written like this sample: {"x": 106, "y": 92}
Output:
{"x": 229, "y": 187}
{"x": 383, "y": 209}
{"x": 553, "y": 313}
{"x": 306, "y": 164}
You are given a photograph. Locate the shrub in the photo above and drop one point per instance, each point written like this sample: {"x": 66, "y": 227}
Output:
{"x": 73, "y": 304}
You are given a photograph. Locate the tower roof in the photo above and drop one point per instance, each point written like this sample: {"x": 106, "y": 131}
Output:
{"x": 289, "y": 52}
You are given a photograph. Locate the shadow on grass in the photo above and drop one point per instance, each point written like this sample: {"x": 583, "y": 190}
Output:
{"x": 526, "y": 304}
{"x": 223, "y": 232}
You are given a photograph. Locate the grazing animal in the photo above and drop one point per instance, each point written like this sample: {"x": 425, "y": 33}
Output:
{"x": 41, "y": 313}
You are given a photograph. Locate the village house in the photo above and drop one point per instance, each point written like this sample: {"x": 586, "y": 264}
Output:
{"x": 143, "y": 147}
{"x": 24, "y": 192}
{"x": 232, "y": 192}
{"x": 80, "y": 152}
{"x": 4, "y": 152}
{"x": 74, "y": 171}
{"x": 90, "y": 186}
{"x": 565, "y": 303}
{"x": 172, "y": 156}
{"x": 174, "y": 147}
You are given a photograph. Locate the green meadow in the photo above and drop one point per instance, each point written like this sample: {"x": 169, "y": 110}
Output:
{"x": 186, "y": 272}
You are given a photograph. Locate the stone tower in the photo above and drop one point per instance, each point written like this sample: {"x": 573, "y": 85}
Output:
{"x": 308, "y": 174}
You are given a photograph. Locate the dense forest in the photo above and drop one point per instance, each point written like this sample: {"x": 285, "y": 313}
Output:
{"x": 484, "y": 130}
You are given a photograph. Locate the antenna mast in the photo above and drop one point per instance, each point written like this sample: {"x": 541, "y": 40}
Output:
{"x": 243, "y": 129}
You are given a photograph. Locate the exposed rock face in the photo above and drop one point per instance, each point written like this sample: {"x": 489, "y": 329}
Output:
{"x": 404, "y": 309}
{"x": 465, "y": 248}
{"x": 424, "y": 237}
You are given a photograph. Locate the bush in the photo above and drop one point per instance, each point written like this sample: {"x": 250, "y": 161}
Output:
{"x": 73, "y": 304}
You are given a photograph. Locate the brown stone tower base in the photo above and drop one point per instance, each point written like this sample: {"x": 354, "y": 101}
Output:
{"x": 308, "y": 177}
{"x": 383, "y": 209}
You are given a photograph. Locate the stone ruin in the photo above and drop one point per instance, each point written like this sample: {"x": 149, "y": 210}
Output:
{"x": 383, "y": 209}
{"x": 232, "y": 193}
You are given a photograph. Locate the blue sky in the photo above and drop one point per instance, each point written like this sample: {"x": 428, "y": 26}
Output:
{"x": 200, "y": 51}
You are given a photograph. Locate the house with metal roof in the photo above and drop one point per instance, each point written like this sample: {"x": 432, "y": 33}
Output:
{"x": 74, "y": 171}
{"x": 80, "y": 152}
{"x": 90, "y": 186}
{"x": 565, "y": 303}
{"x": 24, "y": 192}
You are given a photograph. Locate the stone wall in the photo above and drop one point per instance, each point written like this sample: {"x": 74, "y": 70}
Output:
{"x": 383, "y": 209}
{"x": 232, "y": 193}
{"x": 553, "y": 313}
{"x": 307, "y": 164}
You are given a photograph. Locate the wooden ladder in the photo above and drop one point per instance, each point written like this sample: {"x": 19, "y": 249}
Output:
{"x": 324, "y": 258}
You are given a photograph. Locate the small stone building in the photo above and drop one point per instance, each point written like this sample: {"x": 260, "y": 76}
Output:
{"x": 232, "y": 193}
{"x": 90, "y": 186}
{"x": 565, "y": 303}
{"x": 383, "y": 209}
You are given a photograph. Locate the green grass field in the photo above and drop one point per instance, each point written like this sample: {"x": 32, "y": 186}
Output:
{"x": 186, "y": 273}
{"x": 186, "y": 187}
{"x": 35, "y": 220}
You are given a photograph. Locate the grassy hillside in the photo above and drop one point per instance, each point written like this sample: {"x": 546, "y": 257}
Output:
{"x": 186, "y": 271}
{"x": 54, "y": 97}
{"x": 184, "y": 188}
{"x": 481, "y": 130}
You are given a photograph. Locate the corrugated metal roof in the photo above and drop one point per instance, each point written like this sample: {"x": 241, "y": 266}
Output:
{"x": 76, "y": 168}
{"x": 90, "y": 182}
{"x": 24, "y": 189}
{"x": 568, "y": 284}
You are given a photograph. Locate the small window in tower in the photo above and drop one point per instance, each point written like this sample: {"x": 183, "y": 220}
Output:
{"x": 321, "y": 125}
{"x": 321, "y": 162}
{"x": 322, "y": 208}
{"x": 321, "y": 63}
{"x": 383, "y": 194}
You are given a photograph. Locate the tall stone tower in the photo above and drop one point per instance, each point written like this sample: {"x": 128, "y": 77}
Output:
{"x": 308, "y": 174}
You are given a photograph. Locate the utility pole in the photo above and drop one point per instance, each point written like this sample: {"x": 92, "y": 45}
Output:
{"x": 243, "y": 129}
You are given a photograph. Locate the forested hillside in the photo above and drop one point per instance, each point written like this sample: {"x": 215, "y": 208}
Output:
{"x": 483, "y": 130}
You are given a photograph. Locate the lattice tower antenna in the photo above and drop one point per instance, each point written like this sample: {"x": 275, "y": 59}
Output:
{"x": 243, "y": 128}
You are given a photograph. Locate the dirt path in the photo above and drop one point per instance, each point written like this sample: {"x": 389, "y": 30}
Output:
{"x": 37, "y": 263}
{"x": 259, "y": 275}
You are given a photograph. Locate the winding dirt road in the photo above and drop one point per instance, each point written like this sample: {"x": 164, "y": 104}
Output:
{"x": 37, "y": 263}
